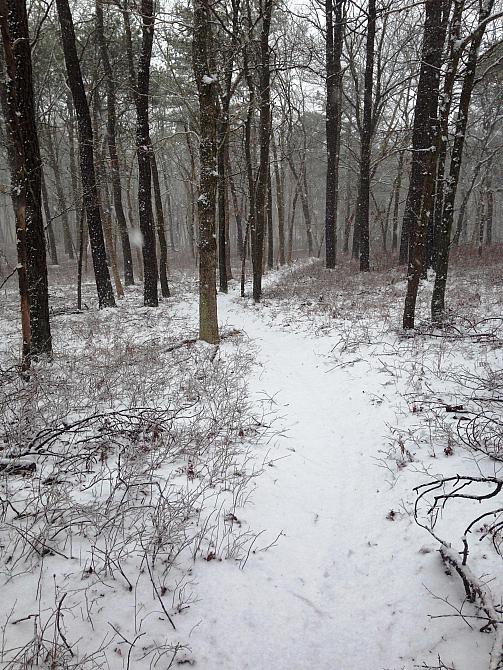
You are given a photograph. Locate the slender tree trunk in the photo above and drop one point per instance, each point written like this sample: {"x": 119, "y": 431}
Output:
{"x": 223, "y": 219}
{"x": 292, "y": 225}
{"x": 194, "y": 194}
{"x": 76, "y": 194}
{"x": 112, "y": 147}
{"x": 60, "y": 194}
{"x": 280, "y": 202}
{"x": 53, "y": 252}
{"x": 104, "y": 200}
{"x": 301, "y": 179}
{"x": 87, "y": 169}
{"x": 264, "y": 94}
{"x": 202, "y": 59}
{"x": 236, "y": 209}
{"x": 481, "y": 218}
{"x": 146, "y": 216}
{"x": 161, "y": 229}
{"x": 489, "y": 204}
{"x": 362, "y": 212}
{"x": 82, "y": 237}
{"x": 334, "y": 42}
{"x": 270, "y": 231}
{"x": 396, "y": 204}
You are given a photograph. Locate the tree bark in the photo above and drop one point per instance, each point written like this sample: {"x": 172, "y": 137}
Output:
{"x": 51, "y": 240}
{"x": 334, "y": 42}
{"x": 264, "y": 95}
{"x": 150, "y": 274}
{"x": 362, "y": 212}
{"x": 161, "y": 228}
{"x": 87, "y": 168}
{"x": 444, "y": 234}
{"x": 202, "y": 61}
{"x": 112, "y": 147}
{"x": 270, "y": 229}
{"x": 26, "y": 173}
{"x": 60, "y": 194}
{"x": 280, "y": 201}
{"x": 396, "y": 204}
{"x": 424, "y": 142}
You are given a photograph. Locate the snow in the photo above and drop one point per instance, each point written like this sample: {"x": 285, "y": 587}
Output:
{"x": 136, "y": 238}
{"x": 338, "y": 575}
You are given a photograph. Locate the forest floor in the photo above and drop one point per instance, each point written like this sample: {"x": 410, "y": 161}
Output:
{"x": 281, "y": 531}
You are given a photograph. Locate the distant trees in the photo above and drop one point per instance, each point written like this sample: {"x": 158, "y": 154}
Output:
{"x": 315, "y": 139}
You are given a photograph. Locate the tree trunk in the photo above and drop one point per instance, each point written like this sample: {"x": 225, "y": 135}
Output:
{"x": 223, "y": 218}
{"x": 112, "y": 147}
{"x": 270, "y": 230}
{"x": 424, "y": 141}
{"x": 53, "y": 252}
{"x": 334, "y": 41}
{"x": 444, "y": 234}
{"x": 161, "y": 229}
{"x": 60, "y": 194}
{"x": 362, "y": 212}
{"x": 87, "y": 169}
{"x": 26, "y": 172}
{"x": 146, "y": 216}
{"x": 202, "y": 60}
{"x": 264, "y": 94}
{"x": 104, "y": 200}
{"x": 396, "y": 204}
{"x": 236, "y": 209}
{"x": 280, "y": 202}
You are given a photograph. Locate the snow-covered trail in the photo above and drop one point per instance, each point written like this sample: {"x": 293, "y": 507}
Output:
{"x": 335, "y": 592}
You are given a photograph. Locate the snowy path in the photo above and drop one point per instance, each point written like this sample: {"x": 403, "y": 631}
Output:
{"x": 337, "y": 591}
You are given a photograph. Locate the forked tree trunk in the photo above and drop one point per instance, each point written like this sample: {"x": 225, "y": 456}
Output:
{"x": 87, "y": 169}
{"x": 424, "y": 141}
{"x": 236, "y": 209}
{"x": 444, "y": 234}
